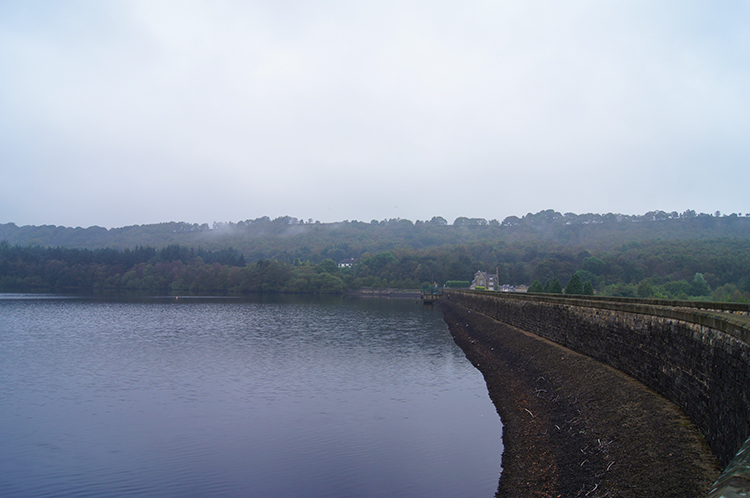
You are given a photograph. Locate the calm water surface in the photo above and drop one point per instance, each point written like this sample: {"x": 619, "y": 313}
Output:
{"x": 220, "y": 397}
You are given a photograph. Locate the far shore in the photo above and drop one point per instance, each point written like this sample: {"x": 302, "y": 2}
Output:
{"x": 396, "y": 293}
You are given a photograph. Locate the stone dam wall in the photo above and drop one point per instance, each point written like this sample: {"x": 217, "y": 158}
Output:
{"x": 694, "y": 354}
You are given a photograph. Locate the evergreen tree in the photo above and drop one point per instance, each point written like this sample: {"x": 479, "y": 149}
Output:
{"x": 555, "y": 287}
{"x": 588, "y": 289}
{"x": 574, "y": 287}
{"x": 536, "y": 287}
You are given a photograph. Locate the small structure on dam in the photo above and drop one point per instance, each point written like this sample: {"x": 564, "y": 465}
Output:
{"x": 431, "y": 293}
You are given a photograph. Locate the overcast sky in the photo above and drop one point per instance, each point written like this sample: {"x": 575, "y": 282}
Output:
{"x": 127, "y": 112}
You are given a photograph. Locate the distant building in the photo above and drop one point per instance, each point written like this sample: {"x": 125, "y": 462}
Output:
{"x": 346, "y": 263}
{"x": 513, "y": 288}
{"x": 488, "y": 281}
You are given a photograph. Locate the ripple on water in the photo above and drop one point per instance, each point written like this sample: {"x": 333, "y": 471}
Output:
{"x": 219, "y": 398}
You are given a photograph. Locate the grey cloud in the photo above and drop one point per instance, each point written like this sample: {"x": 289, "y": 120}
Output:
{"x": 136, "y": 112}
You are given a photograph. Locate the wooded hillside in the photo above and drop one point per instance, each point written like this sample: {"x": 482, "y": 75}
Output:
{"x": 657, "y": 254}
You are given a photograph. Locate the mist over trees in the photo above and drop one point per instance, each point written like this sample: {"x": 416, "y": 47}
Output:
{"x": 287, "y": 238}
{"x": 658, "y": 254}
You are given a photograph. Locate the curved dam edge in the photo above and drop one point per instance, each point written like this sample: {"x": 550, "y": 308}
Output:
{"x": 573, "y": 426}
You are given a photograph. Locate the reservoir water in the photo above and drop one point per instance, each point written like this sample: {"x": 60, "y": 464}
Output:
{"x": 212, "y": 397}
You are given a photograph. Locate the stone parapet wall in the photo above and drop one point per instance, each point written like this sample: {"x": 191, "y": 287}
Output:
{"x": 698, "y": 358}
{"x": 738, "y": 308}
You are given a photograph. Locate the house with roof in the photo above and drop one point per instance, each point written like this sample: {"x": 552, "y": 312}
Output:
{"x": 489, "y": 281}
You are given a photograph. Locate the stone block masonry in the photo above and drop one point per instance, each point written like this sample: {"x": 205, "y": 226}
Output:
{"x": 695, "y": 355}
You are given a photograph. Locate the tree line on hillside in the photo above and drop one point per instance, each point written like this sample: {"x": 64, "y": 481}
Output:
{"x": 127, "y": 257}
{"x": 706, "y": 269}
{"x": 288, "y": 239}
{"x": 172, "y": 269}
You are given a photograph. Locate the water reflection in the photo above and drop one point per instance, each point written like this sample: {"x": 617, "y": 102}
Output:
{"x": 225, "y": 397}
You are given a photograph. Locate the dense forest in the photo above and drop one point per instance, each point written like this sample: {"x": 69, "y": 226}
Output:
{"x": 659, "y": 254}
{"x": 288, "y": 239}
{"x": 174, "y": 269}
